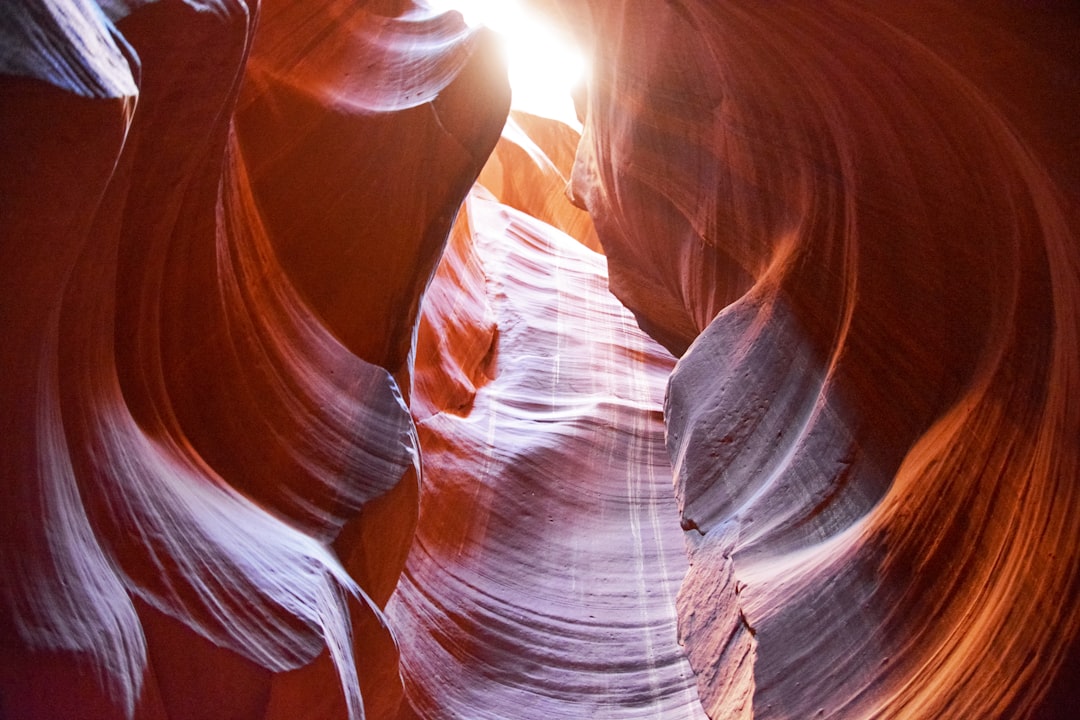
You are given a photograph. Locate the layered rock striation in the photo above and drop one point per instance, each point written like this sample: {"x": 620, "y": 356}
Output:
{"x": 542, "y": 580}
{"x": 291, "y": 431}
{"x": 857, "y": 227}
{"x": 211, "y": 305}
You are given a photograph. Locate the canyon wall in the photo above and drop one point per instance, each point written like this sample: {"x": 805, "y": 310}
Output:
{"x": 298, "y": 422}
{"x": 856, "y": 223}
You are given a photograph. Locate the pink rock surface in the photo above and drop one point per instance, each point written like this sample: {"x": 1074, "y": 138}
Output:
{"x": 281, "y": 440}
{"x": 856, "y": 223}
{"x": 542, "y": 581}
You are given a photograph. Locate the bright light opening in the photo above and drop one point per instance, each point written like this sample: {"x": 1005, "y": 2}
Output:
{"x": 544, "y": 64}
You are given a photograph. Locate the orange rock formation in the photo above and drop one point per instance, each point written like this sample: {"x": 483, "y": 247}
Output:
{"x": 295, "y": 424}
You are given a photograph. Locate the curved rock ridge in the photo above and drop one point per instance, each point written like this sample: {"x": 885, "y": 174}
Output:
{"x": 322, "y": 74}
{"x": 542, "y": 580}
{"x": 210, "y": 476}
{"x": 856, "y": 223}
{"x": 530, "y": 171}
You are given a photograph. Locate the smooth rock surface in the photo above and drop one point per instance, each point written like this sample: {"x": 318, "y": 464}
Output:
{"x": 199, "y": 451}
{"x": 856, "y": 223}
{"x": 288, "y": 432}
{"x": 542, "y": 581}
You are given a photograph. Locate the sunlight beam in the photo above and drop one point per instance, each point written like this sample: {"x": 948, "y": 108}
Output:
{"x": 544, "y": 65}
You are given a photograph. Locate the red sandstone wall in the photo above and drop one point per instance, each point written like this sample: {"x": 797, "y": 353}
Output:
{"x": 214, "y": 252}
{"x": 269, "y": 452}
{"x": 856, "y": 222}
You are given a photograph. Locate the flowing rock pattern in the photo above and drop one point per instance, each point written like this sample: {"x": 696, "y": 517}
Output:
{"x": 542, "y": 581}
{"x": 200, "y": 443}
{"x": 270, "y": 452}
{"x": 859, "y": 231}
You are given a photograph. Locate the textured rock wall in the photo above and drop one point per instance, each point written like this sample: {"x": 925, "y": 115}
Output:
{"x": 209, "y": 469}
{"x": 548, "y": 554}
{"x": 857, "y": 225}
{"x": 274, "y": 447}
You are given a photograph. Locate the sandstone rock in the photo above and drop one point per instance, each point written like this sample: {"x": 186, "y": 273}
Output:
{"x": 281, "y": 439}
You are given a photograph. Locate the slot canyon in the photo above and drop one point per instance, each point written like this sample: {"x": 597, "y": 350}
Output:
{"x": 334, "y": 388}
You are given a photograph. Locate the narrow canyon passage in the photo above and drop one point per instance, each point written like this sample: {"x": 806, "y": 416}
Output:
{"x": 548, "y": 552}
{"x": 335, "y": 385}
